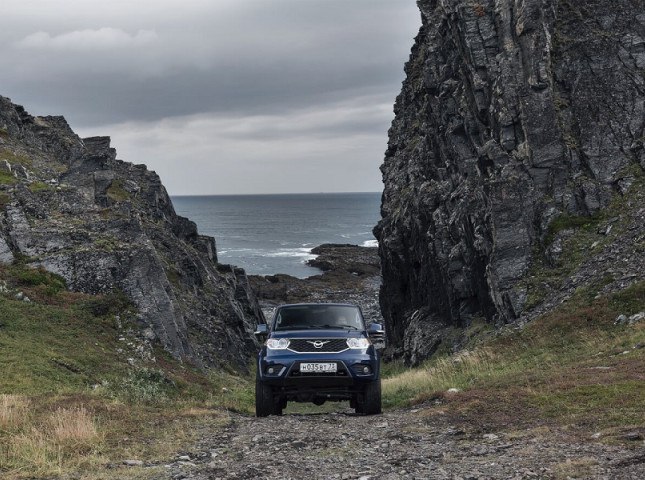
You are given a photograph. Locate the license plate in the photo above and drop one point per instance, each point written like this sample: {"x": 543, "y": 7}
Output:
{"x": 318, "y": 367}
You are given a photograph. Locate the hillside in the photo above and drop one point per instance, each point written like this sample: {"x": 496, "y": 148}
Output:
{"x": 119, "y": 330}
{"x": 69, "y": 207}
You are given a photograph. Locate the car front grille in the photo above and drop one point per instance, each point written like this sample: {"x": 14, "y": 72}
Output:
{"x": 326, "y": 345}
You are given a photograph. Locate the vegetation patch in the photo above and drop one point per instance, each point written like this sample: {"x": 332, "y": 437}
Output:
{"x": 73, "y": 401}
{"x": 147, "y": 385}
{"x": 15, "y": 158}
{"x": 107, "y": 244}
{"x": 566, "y": 222}
{"x": 587, "y": 235}
{"x": 116, "y": 192}
{"x": 36, "y": 187}
{"x": 572, "y": 366}
{"x": 37, "y": 281}
{"x": 113, "y": 303}
{"x": 7, "y": 179}
{"x": 575, "y": 468}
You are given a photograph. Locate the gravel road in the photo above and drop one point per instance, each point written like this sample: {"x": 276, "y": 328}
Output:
{"x": 410, "y": 444}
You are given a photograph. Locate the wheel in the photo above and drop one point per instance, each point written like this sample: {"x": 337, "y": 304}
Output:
{"x": 279, "y": 405}
{"x": 356, "y": 404}
{"x": 264, "y": 402}
{"x": 371, "y": 404}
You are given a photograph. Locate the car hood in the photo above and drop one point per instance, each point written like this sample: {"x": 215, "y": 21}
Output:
{"x": 322, "y": 333}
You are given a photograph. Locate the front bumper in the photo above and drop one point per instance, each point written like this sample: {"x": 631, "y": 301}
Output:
{"x": 288, "y": 380}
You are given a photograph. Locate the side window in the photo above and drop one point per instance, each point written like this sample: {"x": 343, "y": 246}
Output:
{"x": 278, "y": 320}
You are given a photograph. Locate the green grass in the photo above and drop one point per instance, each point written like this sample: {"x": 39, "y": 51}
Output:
{"x": 7, "y": 179}
{"x": 66, "y": 350}
{"x": 36, "y": 187}
{"x": 50, "y": 348}
{"x": 567, "y": 367}
{"x": 37, "y": 277}
{"x": 620, "y": 403}
{"x": 15, "y": 158}
{"x": 565, "y": 222}
{"x": 106, "y": 244}
{"x": 584, "y": 240}
{"x": 116, "y": 192}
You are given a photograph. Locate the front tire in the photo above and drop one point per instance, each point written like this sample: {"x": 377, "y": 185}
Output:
{"x": 371, "y": 404}
{"x": 264, "y": 402}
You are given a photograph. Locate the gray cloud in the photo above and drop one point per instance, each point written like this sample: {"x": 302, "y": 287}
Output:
{"x": 263, "y": 73}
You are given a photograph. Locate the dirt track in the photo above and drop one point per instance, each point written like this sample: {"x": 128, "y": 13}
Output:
{"x": 398, "y": 444}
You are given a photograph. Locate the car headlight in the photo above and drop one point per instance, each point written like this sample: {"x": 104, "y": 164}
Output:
{"x": 277, "y": 343}
{"x": 358, "y": 343}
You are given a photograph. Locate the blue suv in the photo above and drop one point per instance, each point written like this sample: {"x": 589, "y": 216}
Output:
{"x": 318, "y": 352}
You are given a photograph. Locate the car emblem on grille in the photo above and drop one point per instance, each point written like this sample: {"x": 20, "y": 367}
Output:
{"x": 318, "y": 343}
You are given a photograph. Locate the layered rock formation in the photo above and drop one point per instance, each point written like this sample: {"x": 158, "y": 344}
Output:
{"x": 350, "y": 274}
{"x": 513, "y": 113}
{"x": 68, "y": 205}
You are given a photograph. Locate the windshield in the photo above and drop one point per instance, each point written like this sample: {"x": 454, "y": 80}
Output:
{"x": 298, "y": 317}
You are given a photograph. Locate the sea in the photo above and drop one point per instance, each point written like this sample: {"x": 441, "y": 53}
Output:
{"x": 269, "y": 234}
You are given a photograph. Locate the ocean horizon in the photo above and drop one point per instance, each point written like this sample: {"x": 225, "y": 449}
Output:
{"x": 269, "y": 233}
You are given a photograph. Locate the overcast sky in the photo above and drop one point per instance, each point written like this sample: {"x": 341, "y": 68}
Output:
{"x": 219, "y": 96}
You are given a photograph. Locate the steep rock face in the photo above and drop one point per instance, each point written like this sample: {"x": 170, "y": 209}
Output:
{"x": 513, "y": 112}
{"x": 70, "y": 206}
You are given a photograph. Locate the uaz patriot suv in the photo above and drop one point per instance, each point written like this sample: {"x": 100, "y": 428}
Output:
{"x": 315, "y": 352}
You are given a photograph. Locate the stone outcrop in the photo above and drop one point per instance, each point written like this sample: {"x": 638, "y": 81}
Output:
{"x": 513, "y": 113}
{"x": 70, "y": 206}
{"x": 351, "y": 274}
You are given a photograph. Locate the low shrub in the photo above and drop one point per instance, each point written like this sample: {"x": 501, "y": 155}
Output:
{"x": 145, "y": 385}
{"x": 113, "y": 303}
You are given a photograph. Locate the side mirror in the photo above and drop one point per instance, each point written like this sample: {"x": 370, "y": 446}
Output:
{"x": 262, "y": 330}
{"x": 376, "y": 333}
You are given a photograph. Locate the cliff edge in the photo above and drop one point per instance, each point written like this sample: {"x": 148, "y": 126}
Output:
{"x": 514, "y": 163}
{"x": 69, "y": 206}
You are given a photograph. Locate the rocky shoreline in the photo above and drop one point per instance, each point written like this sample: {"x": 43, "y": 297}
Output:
{"x": 350, "y": 274}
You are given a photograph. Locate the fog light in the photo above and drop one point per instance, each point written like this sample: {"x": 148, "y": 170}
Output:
{"x": 366, "y": 369}
{"x": 270, "y": 370}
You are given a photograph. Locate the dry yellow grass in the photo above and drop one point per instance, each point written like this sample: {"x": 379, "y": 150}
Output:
{"x": 87, "y": 433}
{"x": 13, "y": 411}
{"x": 48, "y": 443}
{"x": 576, "y": 468}
{"x": 73, "y": 424}
{"x": 450, "y": 372}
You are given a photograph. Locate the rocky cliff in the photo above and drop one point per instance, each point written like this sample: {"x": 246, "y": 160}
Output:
{"x": 519, "y": 126}
{"x": 69, "y": 206}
